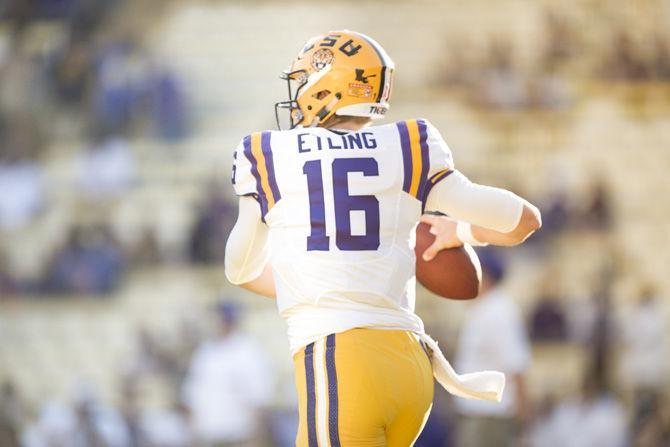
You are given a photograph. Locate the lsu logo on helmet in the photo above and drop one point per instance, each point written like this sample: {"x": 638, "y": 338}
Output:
{"x": 341, "y": 73}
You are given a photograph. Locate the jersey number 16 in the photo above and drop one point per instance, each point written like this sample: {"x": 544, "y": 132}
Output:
{"x": 344, "y": 204}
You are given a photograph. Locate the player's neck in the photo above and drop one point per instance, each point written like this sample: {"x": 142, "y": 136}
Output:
{"x": 348, "y": 124}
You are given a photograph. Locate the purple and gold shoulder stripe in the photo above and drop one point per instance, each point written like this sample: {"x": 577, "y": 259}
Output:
{"x": 416, "y": 161}
{"x": 258, "y": 150}
{"x": 432, "y": 181}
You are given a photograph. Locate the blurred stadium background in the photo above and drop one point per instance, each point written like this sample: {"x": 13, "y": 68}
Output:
{"x": 117, "y": 124}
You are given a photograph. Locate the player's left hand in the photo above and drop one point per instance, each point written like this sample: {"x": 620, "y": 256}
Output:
{"x": 444, "y": 230}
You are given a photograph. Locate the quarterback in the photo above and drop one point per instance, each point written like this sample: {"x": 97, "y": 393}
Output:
{"x": 327, "y": 211}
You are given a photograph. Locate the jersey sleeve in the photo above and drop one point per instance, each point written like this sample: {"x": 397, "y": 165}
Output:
{"x": 426, "y": 157}
{"x": 441, "y": 161}
{"x": 244, "y": 182}
{"x": 439, "y": 153}
{"x": 254, "y": 171}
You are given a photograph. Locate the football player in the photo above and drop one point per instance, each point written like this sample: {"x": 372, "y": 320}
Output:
{"x": 327, "y": 211}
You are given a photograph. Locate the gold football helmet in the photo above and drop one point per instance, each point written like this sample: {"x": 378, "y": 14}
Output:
{"x": 341, "y": 73}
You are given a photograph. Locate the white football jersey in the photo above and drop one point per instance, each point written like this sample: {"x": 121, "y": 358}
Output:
{"x": 341, "y": 207}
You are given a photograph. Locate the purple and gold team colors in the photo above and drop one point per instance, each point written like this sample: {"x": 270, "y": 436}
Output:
{"x": 341, "y": 208}
{"x": 354, "y": 388}
{"x": 339, "y": 73}
{"x": 257, "y": 150}
{"x": 413, "y": 139}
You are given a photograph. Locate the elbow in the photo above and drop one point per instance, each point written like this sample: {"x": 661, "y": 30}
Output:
{"x": 233, "y": 274}
{"x": 240, "y": 277}
{"x": 530, "y": 222}
{"x": 230, "y": 276}
{"x": 533, "y": 219}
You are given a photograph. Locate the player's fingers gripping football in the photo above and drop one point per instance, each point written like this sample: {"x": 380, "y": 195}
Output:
{"x": 444, "y": 230}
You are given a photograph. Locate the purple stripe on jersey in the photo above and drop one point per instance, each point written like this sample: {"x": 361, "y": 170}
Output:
{"x": 425, "y": 157}
{"x": 254, "y": 171}
{"x": 311, "y": 395}
{"x": 434, "y": 180}
{"x": 269, "y": 165}
{"x": 406, "y": 155}
{"x": 333, "y": 424}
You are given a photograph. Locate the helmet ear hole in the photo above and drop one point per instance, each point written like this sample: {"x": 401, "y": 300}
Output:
{"x": 321, "y": 94}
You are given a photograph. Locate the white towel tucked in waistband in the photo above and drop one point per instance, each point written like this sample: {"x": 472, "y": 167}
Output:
{"x": 483, "y": 385}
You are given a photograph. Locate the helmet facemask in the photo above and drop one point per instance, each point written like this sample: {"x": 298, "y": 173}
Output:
{"x": 294, "y": 113}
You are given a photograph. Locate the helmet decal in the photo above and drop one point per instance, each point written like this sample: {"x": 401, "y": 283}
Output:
{"x": 322, "y": 58}
{"x": 360, "y": 76}
{"x": 360, "y": 90}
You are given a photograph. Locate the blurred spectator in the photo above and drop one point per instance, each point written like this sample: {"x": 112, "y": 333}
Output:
{"x": 439, "y": 428}
{"x": 11, "y": 415}
{"x": 661, "y": 59}
{"x": 601, "y": 337}
{"x": 229, "y": 385}
{"x": 146, "y": 251}
{"x": 212, "y": 226}
{"x": 87, "y": 423}
{"x": 22, "y": 186}
{"x": 168, "y": 105}
{"x": 82, "y": 15}
{"x": 643, "y": 362}
{"x": 493, "y": 337}
{"x": 625, "y": 60}
{"x": 53, "y": 427}
{"x": 70, "y": 74}
{"x": 550, "y": 90}
{"x": 154, "y": 356}
{"x": 97, "y": 425}
{"x": 598, "y": 212}
{"x": 654, "y": 429}
{"x": 149, "y": 355}
{"x": 130, "y": 413}
{"x": 107, "y": 168}
{"x": 542, "y": 420}
{"x": 19, "y": 13}
{"x": 548, "y": 322}
{"x": 168, "y": 427}
{"x": 189, "y": 338}
{"x": 90, "y": 262}
{"x": 459, "y": 67}
{"x": 23, "y": 90}
{"x": 9, "y": 285}
{"x": 164, "y": 427}
{"x": 560, "y": 38}
{"x": 555, "y": 213}
{"x": 503, "y": 86}
{"x": 593, "y": 418}
{"x": 121, "y": 75}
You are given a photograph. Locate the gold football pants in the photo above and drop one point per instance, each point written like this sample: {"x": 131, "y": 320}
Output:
{"x": 363, "y": 387}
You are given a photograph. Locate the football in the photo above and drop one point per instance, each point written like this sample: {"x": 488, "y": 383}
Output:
{"x": 454, "y": 273}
